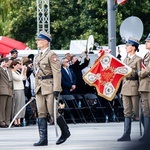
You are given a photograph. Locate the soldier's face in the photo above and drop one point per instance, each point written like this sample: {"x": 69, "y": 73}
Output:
{"x": 15, "y": 55}
{"x": 147, "y": 45}
{"x": 41, "y": 43}
{"x": 129, "y": 48}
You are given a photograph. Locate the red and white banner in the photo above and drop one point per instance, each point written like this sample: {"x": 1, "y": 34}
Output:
{"x": 106, "y": 75}
{"x": 121, "y": 2}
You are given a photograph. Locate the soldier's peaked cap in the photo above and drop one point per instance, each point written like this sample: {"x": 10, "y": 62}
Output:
{"x": 44, "y": 35}
{"x": 133, "y": 41}
{"x": 13, "y": 51}
{"x": 148, "y": 37}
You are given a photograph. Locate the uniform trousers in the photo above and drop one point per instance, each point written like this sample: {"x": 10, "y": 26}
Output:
{"x": 45, "y": 104}
{"x": 5, "y": 109}
{"x": 131, "y": 103}
{"x": 145, "y": 103}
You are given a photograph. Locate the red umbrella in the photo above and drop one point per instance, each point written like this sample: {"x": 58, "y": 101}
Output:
{"x": 7, "y": 44}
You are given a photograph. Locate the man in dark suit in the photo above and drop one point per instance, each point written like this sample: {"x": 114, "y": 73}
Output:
{"x": 68, "y": 80}
{"x": 6, "y": 93}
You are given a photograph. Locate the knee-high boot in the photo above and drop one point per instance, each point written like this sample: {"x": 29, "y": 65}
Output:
{"x": 146, "y": 134}
{"x": 42, "y": 126}
{"x": 65, "y": 133}
{"x": 127, "y": 130}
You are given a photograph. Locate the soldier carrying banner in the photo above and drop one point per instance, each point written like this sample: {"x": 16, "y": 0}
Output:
{"x": 144, "y": 88}
{"x": 129, "y": 91}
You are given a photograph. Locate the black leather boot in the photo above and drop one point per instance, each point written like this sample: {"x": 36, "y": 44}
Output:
{"x": 42, "y": 126}
{"x": 65, "y": 133}
{"x": 127, "y": 130}
{"x": 146, "y": 134}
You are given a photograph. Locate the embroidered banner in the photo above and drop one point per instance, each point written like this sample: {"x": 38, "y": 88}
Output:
{"x": 106, "y": 75}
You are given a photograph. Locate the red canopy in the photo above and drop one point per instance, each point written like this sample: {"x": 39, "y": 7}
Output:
{"x": 7, "y": 44}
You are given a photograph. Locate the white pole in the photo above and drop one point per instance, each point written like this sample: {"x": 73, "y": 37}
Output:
{"x": 111, "y": 26}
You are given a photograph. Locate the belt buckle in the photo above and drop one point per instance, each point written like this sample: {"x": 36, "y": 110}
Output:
{"x": 40, "y": 78}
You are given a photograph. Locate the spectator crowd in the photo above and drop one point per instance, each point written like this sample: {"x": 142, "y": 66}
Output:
{"x": 17, "y": 84}
{"x": 17, "y": 87}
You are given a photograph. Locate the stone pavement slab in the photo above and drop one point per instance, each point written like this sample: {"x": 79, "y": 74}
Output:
{"x": 90, "y": 136}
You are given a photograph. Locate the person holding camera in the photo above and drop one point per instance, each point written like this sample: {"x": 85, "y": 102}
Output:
{"x": 19, "y": 75}
{"x": 77, "y": 67}
{"x": 48, "y": 88}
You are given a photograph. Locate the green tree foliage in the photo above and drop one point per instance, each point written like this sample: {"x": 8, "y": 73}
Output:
{"x": 137, "y": 8}
{"x": 77, "y": 19}
{"x": 4, "y": 9}
{"x": 69, "y": 20}
{"x": 20, "y": 20}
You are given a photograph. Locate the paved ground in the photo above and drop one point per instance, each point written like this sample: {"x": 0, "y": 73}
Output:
{"x": 90, "y": 136}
